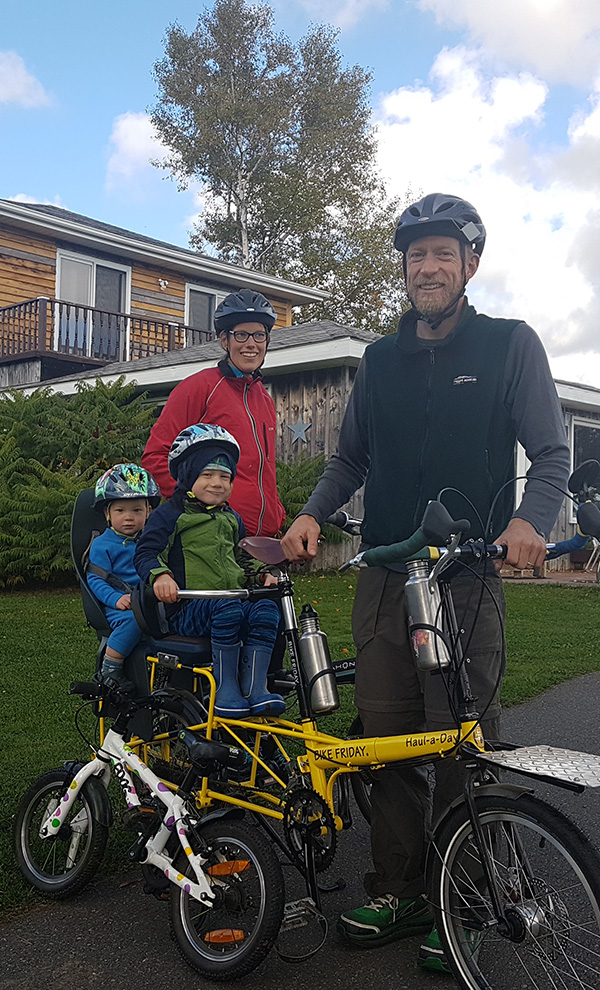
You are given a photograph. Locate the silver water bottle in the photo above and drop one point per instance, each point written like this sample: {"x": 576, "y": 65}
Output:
{"x": 424, "y": 618}
{"x": 316, "y": 664}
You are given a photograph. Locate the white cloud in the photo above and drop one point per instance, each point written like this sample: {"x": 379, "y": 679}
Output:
{"x": 26, "y": 198}
{"x": 17, "y": 85}
{"x": 467, "y": 134}
{"x": 342, "y": 13}
{"x": 134, "y": 142}
{"x": 559, "y": 39}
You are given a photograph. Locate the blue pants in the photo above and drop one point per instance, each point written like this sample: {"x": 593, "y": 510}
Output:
{"x": 125, "y": 631}
{"x": 229, "y": 621}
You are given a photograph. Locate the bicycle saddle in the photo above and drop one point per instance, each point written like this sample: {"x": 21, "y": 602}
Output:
{"x": 263, "y": 548}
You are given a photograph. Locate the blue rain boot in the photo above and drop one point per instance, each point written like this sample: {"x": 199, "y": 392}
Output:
{"x": 229, "y": 702}
{"x": 254, "y": 663}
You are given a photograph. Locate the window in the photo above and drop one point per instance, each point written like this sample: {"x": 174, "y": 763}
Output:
{"x": 200, "y": 312}
{"x": 84, "y": 284}
{"x": 586, "y": 441}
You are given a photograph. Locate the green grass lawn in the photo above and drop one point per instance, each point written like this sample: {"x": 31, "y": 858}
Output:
{"x": 44, "y": 644}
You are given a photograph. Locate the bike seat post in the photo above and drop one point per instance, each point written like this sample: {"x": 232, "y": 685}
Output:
{"x": 290, "y": 628}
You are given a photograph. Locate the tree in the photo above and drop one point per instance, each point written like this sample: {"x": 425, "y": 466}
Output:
{"x": 355, "y": 260}
{"x": 51, "y": 447}
{"x": 279, "y": 136}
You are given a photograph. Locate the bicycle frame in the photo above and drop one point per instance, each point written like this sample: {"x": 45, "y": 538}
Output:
{"x": 322, "y": 752}
{"x": 115, "y": 754}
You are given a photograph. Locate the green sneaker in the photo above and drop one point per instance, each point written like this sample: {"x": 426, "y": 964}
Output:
{"x": 431, "y": 955}
{"x": 384, "y": 919}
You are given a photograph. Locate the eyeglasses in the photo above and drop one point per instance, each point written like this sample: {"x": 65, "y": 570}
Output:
{"x": 259, "y": 336}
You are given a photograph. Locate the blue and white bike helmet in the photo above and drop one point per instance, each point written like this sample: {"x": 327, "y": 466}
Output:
{"x": 205, "y": 439}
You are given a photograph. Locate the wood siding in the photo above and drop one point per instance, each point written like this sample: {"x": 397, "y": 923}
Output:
{"x": 318, "y": 397}
{"x": 27, "y": 266}
{"x": 283, "y": 310}
{"x": 28, "y": 270}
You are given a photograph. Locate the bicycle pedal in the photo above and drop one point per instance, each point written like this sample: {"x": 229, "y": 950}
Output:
{"x": 142, "y": 818}
{"x": 297, "y": 914}
{"x": 300, "y": 914}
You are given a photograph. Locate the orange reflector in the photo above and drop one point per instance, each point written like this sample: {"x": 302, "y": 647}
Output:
{"x": 222, "y": 935}
{"x": 229, "y": 868}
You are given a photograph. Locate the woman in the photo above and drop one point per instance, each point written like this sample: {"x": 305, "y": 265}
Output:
{"x": 232, "y": 395}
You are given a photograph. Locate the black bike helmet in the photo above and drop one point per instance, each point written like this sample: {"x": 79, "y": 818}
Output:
{"x": 440, "y": 215}
{"x": 244, "y": 306}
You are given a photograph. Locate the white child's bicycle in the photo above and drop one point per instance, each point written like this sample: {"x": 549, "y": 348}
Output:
{"x": 234, "y": 889}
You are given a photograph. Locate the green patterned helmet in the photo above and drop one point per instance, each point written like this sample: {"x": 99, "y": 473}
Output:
{"x": 126, "y": 481}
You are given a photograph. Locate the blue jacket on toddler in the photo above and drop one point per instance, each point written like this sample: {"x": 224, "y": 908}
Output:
{"x": 114, "y": 553}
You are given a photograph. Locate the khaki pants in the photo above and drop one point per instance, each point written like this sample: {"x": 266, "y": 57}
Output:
{"x": 393, "y": 697}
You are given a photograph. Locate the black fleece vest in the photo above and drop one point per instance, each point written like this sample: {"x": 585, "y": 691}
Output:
{"x": 437, "y": 420}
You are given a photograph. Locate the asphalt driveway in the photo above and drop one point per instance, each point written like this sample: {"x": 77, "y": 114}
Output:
{"x": 114, "y": 936}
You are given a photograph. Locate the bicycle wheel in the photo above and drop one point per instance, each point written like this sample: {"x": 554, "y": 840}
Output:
{"x": 167, "y": 756}
{"x": 548, "y": 877}
{"x": 230, "y": 938}
{"x": 362, "y": 780}
{"x": 62, "y": 865}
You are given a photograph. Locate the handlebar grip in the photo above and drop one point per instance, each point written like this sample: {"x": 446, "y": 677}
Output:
{"x": 588, "y": 519}
{"x": 396, "y": 552}
{"x": 339, "y": 519}
{"x": 89, "y": 689}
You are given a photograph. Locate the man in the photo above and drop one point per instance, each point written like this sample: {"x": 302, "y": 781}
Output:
{"x": 438, "y": 405}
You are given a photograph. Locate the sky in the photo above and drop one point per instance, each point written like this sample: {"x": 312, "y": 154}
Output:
{"x": 497, "y": 101}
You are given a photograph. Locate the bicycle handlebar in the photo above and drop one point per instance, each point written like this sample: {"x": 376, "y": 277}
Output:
{"x": 399, "y": 553}
{"x": 343, "y": 521}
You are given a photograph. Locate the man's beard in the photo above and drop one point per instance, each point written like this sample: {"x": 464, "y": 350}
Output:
{"x": 431, "y": 305}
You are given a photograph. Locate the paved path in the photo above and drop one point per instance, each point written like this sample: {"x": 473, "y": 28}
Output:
{"x": 113, "y": 936}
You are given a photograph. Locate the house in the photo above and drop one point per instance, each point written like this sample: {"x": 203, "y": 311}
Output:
{"x": 76, "y": 294}
{"x": 309, "y": 370}
{"x": 81, "y": 299}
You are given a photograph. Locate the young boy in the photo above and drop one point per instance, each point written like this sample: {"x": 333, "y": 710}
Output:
{"x": 191, "y": 542}
{"x": 125, "y": 494}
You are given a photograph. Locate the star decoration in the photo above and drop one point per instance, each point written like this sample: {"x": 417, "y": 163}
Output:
{"x": 299, "y": 430}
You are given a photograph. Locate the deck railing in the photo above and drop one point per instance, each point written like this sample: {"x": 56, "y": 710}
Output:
{"x": 45, "y": 324}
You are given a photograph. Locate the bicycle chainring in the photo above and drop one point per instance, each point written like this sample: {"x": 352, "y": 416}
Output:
{"x": 306, "y": 818}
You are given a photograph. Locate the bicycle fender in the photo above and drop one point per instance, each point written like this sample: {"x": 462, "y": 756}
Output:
{"x": 238, "y": 813}
{"x": 95, "y": 791}
{"x": 96, "y": 794}
{"x": 180, "y": 702}
{"x": 497, "y": 789}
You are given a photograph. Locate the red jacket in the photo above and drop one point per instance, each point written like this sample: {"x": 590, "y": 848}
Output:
{"x": 244, "y": 407}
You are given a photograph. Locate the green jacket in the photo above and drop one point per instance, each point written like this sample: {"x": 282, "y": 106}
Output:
{"x": 197, "y": 545}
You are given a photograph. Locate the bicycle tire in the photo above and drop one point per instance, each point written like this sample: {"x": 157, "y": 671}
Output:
{"x": 63, "y": 865}
{"x": 231, "y": 938}
{"x": 362, "y": 780}
{"x": 173, "y": 709}
{"x": 548, "y": 875}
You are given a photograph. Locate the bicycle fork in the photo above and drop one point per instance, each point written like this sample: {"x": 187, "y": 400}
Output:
{"x": 175, "y": 819}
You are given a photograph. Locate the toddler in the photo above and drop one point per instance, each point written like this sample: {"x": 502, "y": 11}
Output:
{"x": 125, "y": 494}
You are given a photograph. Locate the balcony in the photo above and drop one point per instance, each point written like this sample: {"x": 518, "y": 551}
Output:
{"x": 46, "y": 326}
